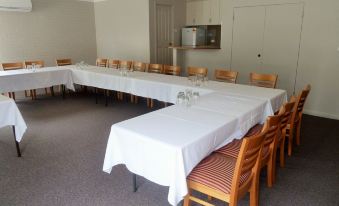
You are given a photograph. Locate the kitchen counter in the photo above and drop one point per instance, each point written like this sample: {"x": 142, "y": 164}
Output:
{"x": 185, "y": 48}
{"x": 193, "y": 47}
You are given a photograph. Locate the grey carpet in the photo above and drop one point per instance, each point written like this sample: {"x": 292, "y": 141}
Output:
{"x": 63, "y": 152}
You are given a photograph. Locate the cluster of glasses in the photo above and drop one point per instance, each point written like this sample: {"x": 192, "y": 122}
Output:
{"x": 198, "y": 80}
{"x": 33, "y": 67}
{"x": 187, "y": 98}
{"x": 81, "y": 65}
{"x": 124, "y": 71}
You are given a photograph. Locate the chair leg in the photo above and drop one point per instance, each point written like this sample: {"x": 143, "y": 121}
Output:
{"x": 13, "y": 95}
{"x": 136, "y": 99}
{"x": 152, "y": 103}
{"x": 148, "y": 102}
{"x": 254, "y": 193}
{"x": 132, "y": 98}
{"x": 297, "y": 137}
{"x": 52, "y": 91}
{"x": 271, "y": 169}
{"x": 290, "y": 141}
{"x": 282, "y": 149}
{"x": 187, "y": 201}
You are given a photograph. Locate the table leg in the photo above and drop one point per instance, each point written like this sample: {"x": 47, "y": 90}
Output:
{"x": 106, "y": 92}
{"x": 135, "y": 183}
{"x": 16, "y": 143}
{"x": 63, "y": 91}
{"x": 96, "y": 95}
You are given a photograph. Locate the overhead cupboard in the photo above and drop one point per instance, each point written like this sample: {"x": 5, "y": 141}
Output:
{"x": 266, "y": 39}
{"x": 203, "y": 12}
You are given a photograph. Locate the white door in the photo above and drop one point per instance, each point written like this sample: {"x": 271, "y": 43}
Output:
{"x": 164, "y": 33}
{"x": 281, "y": 43}
{"x": 266, "y": 40}
{"x": 248, "y": 35}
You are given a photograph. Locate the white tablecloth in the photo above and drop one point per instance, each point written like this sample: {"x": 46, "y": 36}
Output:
{"x": 165, "y": 145}
{"x": 24, "y": 79}
{"x": 165, "y": 88}
{"x": 11, "y": 116}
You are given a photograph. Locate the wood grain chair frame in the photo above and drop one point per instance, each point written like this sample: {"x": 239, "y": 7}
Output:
{"x": 139, "y": 66}
{"x": 295, "y": 122}
{"x": 226, "y": 178}
{"x": 286, "y": 112}
{"x": 40, "y": 64}
{"x": 125, "y": 64}
{"x": 63, "y": 62}
{"x": 113, "y": 63}
{"x": 101, "y": 62}
{"x": 172, "y": 70}
{"x": 154, "y": 68}
{"x": 191, "y": 71}
{"x": 226, "y": 75}
{"x": 263, "y": 80}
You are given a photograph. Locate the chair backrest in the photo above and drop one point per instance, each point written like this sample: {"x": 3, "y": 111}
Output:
{"x": 271, "y": 137}
{"x": 155, "y": 68}
{"x": 139, "y": 66}
{"x": 226, "y": 75}
{"x": 125, "y": 64}
{"x": 299, "y": 105}
{"x": 172, "y": 70}
{"x": 101, "y": 62}
{"x": 191, "y": 71}
{"x": 286, "y": 112}
{"x": 12, "y": 66}
{"x": 40, "y": 63}
{"x": 63, "y": 62}
{"x": 113, "y": 64}
{"x": 263, "y": 80}
{"x": 247, "y": 164}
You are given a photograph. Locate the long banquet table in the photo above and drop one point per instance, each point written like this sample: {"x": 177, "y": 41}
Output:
{"x": 11, "y": 116}
{"x": 165, "y": 145}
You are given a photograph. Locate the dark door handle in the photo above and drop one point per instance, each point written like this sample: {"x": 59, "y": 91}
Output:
{"x": 259, "y": 55}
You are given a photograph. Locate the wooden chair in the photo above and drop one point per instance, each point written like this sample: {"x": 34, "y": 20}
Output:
{"x": 113, "y": 64}
{"x": 140, "y": 67}
{"x": 286, "y": 112}
{"x": 63, "y": 62}
{"x": 191, "y": 71}
{"x": 295, "y": 121}
{"x": 125, "y": 64}
{"x": 269, "y": 147}
{"x": 154, "y": 68}
{"x": 263, "y": 80}
{"x": 13, "y": 66}
{"x": 226, "y": 75}
{"x": 226, "y": 178}
{"x": 40, "y": 64}
{"x": 172, "y": 70}
{"x": 101, "y": 62}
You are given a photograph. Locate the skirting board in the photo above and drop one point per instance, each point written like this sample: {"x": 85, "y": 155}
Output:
{"x": 321, "y": 114}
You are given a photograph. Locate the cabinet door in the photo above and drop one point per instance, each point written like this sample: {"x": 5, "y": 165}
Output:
{"x": 281, "y": 43}
{"x": 248, "y": 34}
{"x": 191, "y": 11}
{"x": 214, "y": 18}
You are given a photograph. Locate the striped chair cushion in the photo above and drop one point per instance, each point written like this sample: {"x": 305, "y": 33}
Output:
{"x": 232, "y": 149}
{"x": 216, "y": 171}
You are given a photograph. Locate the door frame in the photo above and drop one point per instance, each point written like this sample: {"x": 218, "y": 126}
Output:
{"x": 153, "y": 26}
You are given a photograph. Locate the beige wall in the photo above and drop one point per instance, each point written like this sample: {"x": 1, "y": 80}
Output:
{"x": 319, "y": 58}
{"x": 122, "y": 29}
{"x": 54, "y": 29}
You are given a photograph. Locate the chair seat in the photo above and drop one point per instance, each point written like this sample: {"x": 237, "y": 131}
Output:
{"x": 232, "y": 149}
{"x": 216, "y": 171}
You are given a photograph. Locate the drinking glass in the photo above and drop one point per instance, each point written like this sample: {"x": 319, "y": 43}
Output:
{"x": 181, "y": 98}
